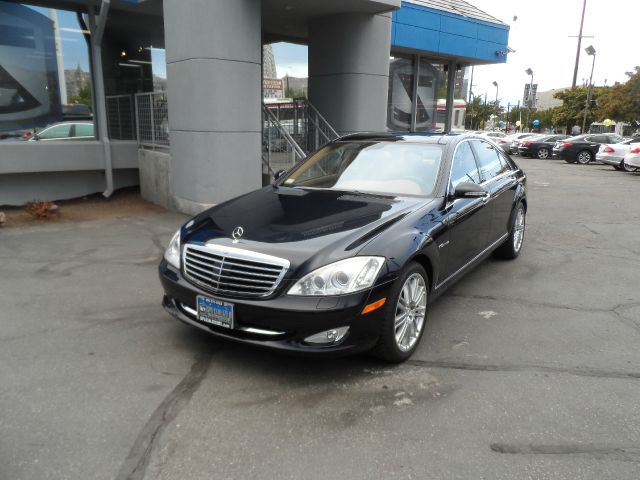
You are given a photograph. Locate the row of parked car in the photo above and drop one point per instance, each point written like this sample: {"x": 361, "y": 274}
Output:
{"x": 607, "y": 148}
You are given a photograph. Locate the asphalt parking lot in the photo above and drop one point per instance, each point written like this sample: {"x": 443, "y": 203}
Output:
{"x": 528, "y": 369}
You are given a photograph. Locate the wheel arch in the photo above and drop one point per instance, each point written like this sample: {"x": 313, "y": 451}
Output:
{"x": 426, "y": 263}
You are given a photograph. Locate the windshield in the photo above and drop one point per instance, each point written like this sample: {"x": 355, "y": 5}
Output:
{"x": 383, "y": 167}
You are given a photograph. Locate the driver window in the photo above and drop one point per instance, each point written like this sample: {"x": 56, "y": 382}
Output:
{"x": 464, "y": 168}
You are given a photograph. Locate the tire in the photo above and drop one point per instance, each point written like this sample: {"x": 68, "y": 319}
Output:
{"x": 626, "y": 168}
{"x": 412, "y": 285}
{"x": 512, "y": 246}
{"x": 543, "y": 153}
{"x": 584, "y": 157}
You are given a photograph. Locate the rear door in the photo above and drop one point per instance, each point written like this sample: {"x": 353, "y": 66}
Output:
{"x": 499, "y": 179}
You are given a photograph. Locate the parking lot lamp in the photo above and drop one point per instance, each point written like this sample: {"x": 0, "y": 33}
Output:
{"x": 495, "y": 84}
{"x": 590, "y": 51}
{"x": 528, "y": 71}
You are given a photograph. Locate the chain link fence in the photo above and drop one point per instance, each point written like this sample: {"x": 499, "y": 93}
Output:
{"x": 152, "y": 119}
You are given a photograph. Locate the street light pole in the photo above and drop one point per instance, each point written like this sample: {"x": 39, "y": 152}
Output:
{"x": 590, "y": 51}
{"x": 495, "y": 84}
{"x": 530, "y": 100}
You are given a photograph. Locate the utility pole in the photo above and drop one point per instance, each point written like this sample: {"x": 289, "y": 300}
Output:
{"x": 575, "y": 69}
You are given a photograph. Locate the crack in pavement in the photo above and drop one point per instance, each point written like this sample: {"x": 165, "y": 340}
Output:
{"x": 135, "y": 465}
{"x": 612, "y": 452}
{"x": 614, "y": 311}
{"x": 577, "y": 371}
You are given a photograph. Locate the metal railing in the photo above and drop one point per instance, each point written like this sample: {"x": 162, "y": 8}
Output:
{"x": 152, "y": 115}
{"x": 120, "y": 117}
{"x": 290, "y": 131}
{"x": 280, "y": 150}
{"x": 320, "y": 129}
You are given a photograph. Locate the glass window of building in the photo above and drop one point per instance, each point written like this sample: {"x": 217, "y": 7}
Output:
{"x": 401, "y": 98}
{"x": 418, "y": 95}
{"x": 44, "y": 70}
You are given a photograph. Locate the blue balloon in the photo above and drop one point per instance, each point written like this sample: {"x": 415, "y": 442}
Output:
{"x": 501, "y": 123}
{"x": 536, "y": 123}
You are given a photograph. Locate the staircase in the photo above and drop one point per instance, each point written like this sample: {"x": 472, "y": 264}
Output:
{"x": 290, "y": 131}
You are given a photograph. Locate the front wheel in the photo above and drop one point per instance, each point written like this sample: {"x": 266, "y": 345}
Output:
{"x": 405, "y": 315}
{"x": 584, "y": 157}
{"x": 512, "y": 246}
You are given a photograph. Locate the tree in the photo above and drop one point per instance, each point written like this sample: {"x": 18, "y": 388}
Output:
{"x": 291, "y": 93}
{"x": 478, "y": 113}
{"x": 545, "y": 117}
{"x": 571, "y": 111}
{"x": 83, "y": 96}
{"x": 621, "y": 102}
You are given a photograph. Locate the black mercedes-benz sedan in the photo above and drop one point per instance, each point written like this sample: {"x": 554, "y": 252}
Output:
{"x": 583, "y": 148}
{"x": 345, "y": 252}
{"x": 539, "y": 146}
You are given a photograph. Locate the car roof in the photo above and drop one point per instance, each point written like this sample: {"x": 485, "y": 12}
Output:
{"x": 439, "y": 138}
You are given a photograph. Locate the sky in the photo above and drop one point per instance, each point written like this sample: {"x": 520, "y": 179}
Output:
{"x": 74, "y": 46}
{"x": 540, "y": 38}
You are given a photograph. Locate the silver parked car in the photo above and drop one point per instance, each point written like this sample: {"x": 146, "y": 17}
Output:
{"x": 614, "y": 154}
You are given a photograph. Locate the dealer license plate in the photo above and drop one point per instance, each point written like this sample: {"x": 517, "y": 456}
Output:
{"x": 215, "y": 312}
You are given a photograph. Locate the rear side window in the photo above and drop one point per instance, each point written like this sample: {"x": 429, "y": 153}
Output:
{"x": 488, "y": 160}
{"x": 464, "y": 167}
{"x": 84, "y": 130}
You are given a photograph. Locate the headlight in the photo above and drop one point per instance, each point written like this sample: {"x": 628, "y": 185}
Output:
{"x": 345, "y": 276}
{"x": 172, "y": 254}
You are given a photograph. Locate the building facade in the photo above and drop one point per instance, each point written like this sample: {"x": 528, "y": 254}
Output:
{"x": 176, "y": 94}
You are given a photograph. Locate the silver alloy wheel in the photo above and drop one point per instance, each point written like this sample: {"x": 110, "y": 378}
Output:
{"x": 584, "y": 157}
{"x": 626, "y": 167}
{"x": 518, "y": 229}
{"x": 410, "y": 312}
{"x": 543, "y": 153}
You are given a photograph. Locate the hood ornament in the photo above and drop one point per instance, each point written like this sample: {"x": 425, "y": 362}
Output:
{"x": 237, "y": 233}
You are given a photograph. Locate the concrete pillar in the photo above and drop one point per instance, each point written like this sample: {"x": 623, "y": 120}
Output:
{"x": 349, "y": 70}
{"x": 214, "y": 56}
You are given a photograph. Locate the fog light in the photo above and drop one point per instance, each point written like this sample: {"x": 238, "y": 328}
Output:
{"x": 329, "y": 336}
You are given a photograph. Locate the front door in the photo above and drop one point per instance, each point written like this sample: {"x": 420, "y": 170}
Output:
{"x": 468, "y": 219}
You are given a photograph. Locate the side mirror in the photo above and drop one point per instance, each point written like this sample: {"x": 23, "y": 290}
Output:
{"x": 469, "y": 190}
{"x": 278, "y": 174}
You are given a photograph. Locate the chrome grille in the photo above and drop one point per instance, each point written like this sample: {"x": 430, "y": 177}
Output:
{"x": 233, "y": 271}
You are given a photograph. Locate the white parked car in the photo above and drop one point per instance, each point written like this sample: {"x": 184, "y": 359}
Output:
{"x": 510, "y": 143}
{"x": 65, "y": 131}
{"x": 631, "y": 162}
{"x": 614, "y": 153}
{"x": 493, "y": 135}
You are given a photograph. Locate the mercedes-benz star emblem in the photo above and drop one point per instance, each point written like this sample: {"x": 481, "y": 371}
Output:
{"x": 237, "y": 233}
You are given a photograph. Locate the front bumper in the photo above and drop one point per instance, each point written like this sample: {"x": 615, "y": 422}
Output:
{"x": 633, "y": 161}
{"x": 281, "y": 321}
{"x": 561, "y": 153}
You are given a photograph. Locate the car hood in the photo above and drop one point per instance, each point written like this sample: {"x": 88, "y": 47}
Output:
{"x": 310, "y": 228}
